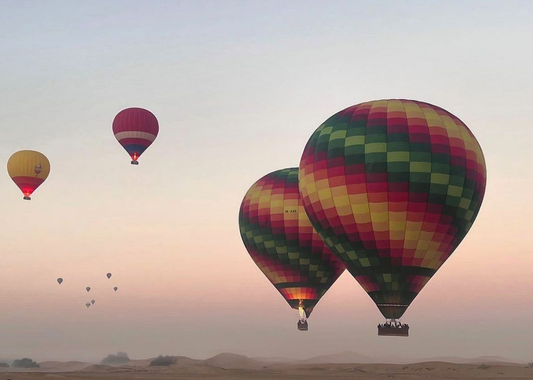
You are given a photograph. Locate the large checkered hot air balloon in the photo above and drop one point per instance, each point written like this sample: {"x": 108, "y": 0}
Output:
{"x": 135, "y": 129}
{"x": 392, "y": 186}
{"x": 281, "y": 240}
{"x": 28, "y": 169}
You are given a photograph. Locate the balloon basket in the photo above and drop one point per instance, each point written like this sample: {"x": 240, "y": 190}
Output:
{"x": 303, "y": 326}
{"x": 393, "y": 330}
{"x": 135, "y": 162}
{"x": 26, "y": 198}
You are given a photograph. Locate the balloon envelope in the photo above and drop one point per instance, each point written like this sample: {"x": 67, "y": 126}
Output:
{"x": 135, "y": 129}
{"x": 92, "y": 302}
{"x": 115, "y": 288}
{"x": 88, "y": 304}
{"x": 282, "y": 242}
{"x": 28, "y": 169}
{"x": 393, "y": 186}
{"x": 109, "y": 275}
{"x": 88, "y": 289}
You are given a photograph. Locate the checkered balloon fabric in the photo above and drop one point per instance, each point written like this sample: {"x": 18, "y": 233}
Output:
{"x": 282, "y": 242}
{"x": 393, "y": 186}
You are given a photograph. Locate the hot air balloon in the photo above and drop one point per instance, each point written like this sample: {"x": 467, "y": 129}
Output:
{"x": 28, "y": 169}
{"x": 109, "y": 275}
{"x": 88, "y": 304}
{"x": 135, "y": 129}
{"x": 392, "y": 186}
{"x": 92, "y": 302}
{"x": 88, "y": 289}
{"x": 115, "y": 288}
{"x": 281, "y": 241}
{"x": 59, "y": 280}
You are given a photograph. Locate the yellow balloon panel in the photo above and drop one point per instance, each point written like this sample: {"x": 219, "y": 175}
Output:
{"x": 28, "y": 169}
{"x": 28, "y": 163}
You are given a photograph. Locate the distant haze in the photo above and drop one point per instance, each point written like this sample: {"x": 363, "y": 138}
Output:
{"x": 238, "y": 88}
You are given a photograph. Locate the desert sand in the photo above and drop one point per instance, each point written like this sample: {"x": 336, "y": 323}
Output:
{"x": 230, "y": 366}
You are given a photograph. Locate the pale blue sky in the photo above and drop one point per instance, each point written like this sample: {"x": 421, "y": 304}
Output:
{"x": 238, "y": 88}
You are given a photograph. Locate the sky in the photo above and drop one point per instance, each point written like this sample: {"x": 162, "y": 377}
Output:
{"x": 238, "y": 88}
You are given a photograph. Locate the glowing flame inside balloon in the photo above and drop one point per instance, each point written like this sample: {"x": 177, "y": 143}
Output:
{"x": 301, "y": 311}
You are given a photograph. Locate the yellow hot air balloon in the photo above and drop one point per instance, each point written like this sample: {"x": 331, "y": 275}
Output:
{"x": 28, "y": 169}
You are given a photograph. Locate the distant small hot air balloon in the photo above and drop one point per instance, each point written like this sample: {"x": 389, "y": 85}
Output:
{"x": 59, "y": 280}
{"x": 28, "y": 169}
{"x": 135, "y": 129}
{"x": 115, "y": 288}
{"x": 88, "y": 289}
{"x": 88, "y": 304}
{"x": 92, "y": 302}
{"x": 109, "y": 275}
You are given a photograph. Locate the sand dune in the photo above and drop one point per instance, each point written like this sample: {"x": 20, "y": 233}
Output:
{"x": 233, "y": 361}
{"x": 51, "y": 366}
{"x": 430, "y": 370}
{"x": 101, "y": 368}
{"x": 56, "y": 366}
{"x": 340, "y": 358}
{"x": 231, "y": 366}
{"x": 276, "y": 360}
{"x": 477, "y": 360}
{"x": 228, "y": 366}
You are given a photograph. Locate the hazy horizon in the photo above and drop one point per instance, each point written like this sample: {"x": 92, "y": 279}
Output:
{"x": 238, "y": 88}
{"x": 337, "y": 358}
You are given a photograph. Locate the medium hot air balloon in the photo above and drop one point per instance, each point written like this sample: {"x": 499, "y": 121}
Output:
{"x": 88, "y": 304}
{"x": 392, "y": 186}
{"x": 135, "y": 129}
{"x": 59, "y": 280}
{"x": 92, "y": 302}
{"x": 28, "y": 169}
{"x": 115, "y": 288}
{"x": 88, "y": 289}
{"x": 281, "y": 241}
{"x": 109, "y": 275}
